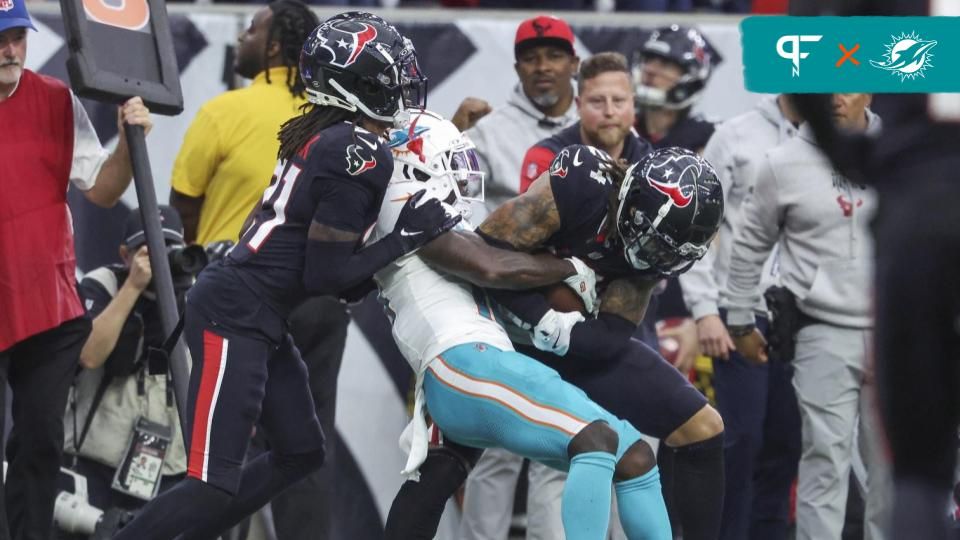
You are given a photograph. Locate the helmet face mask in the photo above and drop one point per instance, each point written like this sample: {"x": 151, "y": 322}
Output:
{"x": 359, "y": 62}
{"x": 413, "y": 83}
{"x": 432, "y": 150}
{"x": 670, "y": 208}
{"x": 463, "y": 165}
{"x": 664, "y": 256}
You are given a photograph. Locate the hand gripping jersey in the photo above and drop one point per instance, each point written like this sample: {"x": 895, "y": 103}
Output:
{"x": 430, "y": 312}
{"x": 343, "y": 160}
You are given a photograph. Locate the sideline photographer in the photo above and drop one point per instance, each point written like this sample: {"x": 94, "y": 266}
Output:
{"x": 122, "y": 429}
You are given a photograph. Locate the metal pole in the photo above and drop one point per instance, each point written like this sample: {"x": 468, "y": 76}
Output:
{"x": 162, "y": 279}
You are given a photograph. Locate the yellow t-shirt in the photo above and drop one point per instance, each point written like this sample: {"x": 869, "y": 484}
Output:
{"x": 230, "y": 150}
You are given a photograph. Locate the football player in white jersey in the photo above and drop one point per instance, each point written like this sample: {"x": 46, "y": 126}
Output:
{"x": 478, "y": 390}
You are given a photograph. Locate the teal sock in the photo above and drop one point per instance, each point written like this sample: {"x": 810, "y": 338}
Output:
{"x": 586, "y": 496}
{"x": 643, "y": 513}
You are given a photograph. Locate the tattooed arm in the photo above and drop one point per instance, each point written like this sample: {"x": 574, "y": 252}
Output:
{"x": 627, "y": 298}
{"x": 622, "y": 307}
{"x": 525, "y": 221}
{"x": 497, "y": 258}
{"x": 522, "y": 223}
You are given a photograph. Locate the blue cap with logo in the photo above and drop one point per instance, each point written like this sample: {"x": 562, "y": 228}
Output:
{"x": 13, "y": 14}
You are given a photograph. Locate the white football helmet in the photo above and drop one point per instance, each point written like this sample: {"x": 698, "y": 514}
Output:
{"x": 432, "y": 150}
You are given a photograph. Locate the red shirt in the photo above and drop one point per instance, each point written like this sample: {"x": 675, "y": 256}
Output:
{"x": 536, "y": 161}
{"x": 37, "y": 262}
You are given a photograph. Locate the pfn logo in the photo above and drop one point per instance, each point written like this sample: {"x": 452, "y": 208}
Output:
{"x": 794, "y": 54}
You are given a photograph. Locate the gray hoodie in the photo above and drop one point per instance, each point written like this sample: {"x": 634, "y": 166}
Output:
{"x": 503, "y": 138}
{"x": 735, "y": 151}
{"x": 821, "y": 221}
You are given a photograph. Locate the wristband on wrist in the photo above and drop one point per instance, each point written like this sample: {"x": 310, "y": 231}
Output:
{"x": 740, "y": 331}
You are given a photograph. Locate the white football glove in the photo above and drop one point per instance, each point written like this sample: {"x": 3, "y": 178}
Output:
{"x": 552, "y": 333}
{"x": 584, "y": 283}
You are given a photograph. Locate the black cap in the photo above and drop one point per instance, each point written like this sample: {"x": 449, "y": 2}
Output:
{"x": 133, "y": 236}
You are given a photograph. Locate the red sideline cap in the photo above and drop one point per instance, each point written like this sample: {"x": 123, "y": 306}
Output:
{"x": 543, "y": 30}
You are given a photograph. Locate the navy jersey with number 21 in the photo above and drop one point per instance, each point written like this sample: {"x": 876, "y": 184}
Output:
{"x": 337, "y": 179}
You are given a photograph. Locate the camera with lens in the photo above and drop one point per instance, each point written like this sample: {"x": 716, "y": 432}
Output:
{"x": 73, "y": 514}
{"x": 187, "y": 260}
{"x": 191, "y": 259}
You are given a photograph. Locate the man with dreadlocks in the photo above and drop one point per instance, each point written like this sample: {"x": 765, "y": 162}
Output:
{"x": 304, "y": 237}
{"x": 227, "y": 154}
{"x": 223, "y": 167}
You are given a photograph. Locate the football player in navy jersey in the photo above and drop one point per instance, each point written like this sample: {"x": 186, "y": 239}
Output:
{"x": 670, "y": 71}
{"x": 606, "y": 118}
{"x": 633, "y": 226}
{"x": 304, "y": 237}
{"x": 653, "y": 224}
{"x": 605, "y": 83}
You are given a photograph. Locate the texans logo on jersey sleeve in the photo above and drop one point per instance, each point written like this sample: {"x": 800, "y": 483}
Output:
{"x": 345, "y": 46}
{"x": 357, "y": 162}
{"x": 667, "y": 178}
{"x": 559, "y": 166}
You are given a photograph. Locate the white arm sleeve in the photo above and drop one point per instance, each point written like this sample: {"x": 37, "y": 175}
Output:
{"x": 88, "y": 154}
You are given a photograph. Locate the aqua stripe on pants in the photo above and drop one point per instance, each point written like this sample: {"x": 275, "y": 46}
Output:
{"x": 484, "y": 397}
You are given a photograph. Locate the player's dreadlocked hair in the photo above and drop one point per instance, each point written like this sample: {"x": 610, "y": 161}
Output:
{"x": 291, "y": 26}
{"x": 617, "y": 171}
{"x": 295, "y": 133}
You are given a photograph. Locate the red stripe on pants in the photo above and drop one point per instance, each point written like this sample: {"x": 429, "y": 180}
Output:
{"x": 212, "y": 358}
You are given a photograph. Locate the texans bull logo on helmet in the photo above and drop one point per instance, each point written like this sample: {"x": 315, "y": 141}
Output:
{"x": 357, "y": 162}
{"x": 345, "y": 45}
{"x": 666, "y": 178}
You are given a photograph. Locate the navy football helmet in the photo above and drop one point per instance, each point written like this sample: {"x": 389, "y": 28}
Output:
{"x": 685, "y": 47}
{"x": 670, "y": 208}
{"x": 358, "y": 61}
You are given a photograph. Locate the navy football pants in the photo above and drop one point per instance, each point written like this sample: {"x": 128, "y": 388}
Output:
{"x": 234, "y": 382}
{"x": 761, "y": 446}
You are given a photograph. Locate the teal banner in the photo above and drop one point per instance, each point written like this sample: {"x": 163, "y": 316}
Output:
{"x": 851, "y": 54}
